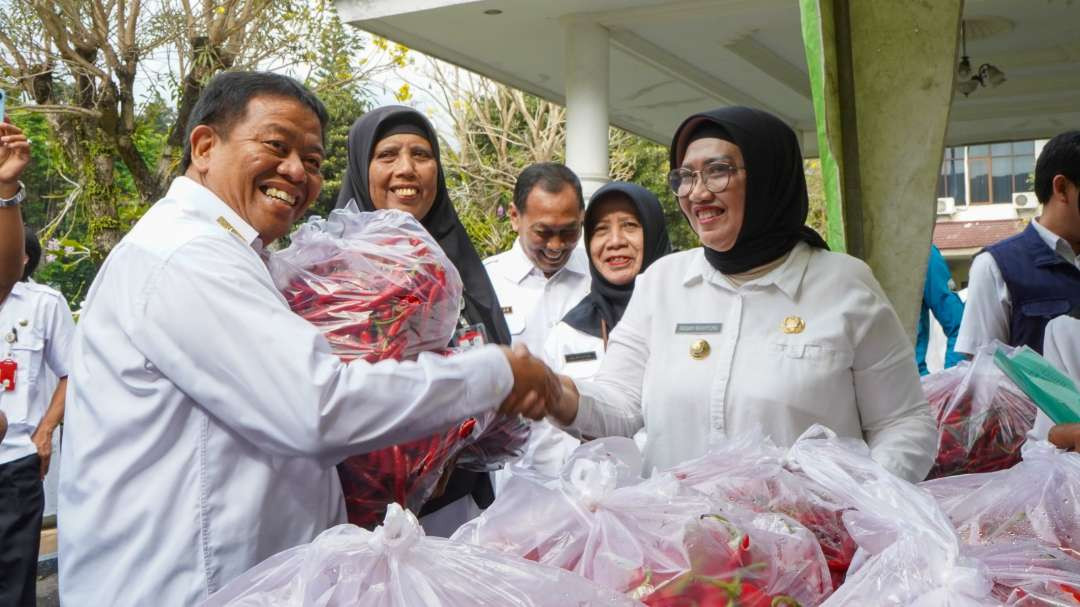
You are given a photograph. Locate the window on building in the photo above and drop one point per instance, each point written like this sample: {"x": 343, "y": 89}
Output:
{"x": 951, "y": 180}
{"x": 1000, "y": 169}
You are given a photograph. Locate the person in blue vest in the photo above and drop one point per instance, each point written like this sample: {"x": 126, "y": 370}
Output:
{"x": 1019, "y": 284}
{"x": 948, "y": 309}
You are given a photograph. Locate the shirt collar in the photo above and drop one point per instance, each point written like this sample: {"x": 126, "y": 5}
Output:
{"x": 206, "y": 205}
{"x": 787, "y": 277}
{"x": 519, "y": 266}
{"x": 1056, "y": 243}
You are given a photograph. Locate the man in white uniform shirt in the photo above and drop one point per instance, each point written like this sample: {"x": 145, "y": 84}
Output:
{"x": 543, "y": 275}
{"x": 14, "y": 156}
{"x": 1018, "y": 285}
{"x": 206, "y": 418}
{"x": 36, "y": 329}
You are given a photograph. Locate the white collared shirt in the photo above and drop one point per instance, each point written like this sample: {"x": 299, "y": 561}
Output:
{"x": 1061, "y": 348}
{"x": 204, "y": 418}
{"x": 988, "y": 308}
{"x": 532, "y": 303}
{"x": 844, "y": 361}
{"x": 37, "y": 321}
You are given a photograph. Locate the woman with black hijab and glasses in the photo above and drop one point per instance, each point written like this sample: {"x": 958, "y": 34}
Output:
{"x": 763, "y": 327}
{"x": 394, "y": 164}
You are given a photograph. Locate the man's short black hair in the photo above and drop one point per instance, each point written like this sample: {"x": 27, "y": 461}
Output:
{"x": 1060, "y": 156}
{"x": 224, "y": 102}
{"x": 33, "y": 252}
{"x": 552, "y": 176}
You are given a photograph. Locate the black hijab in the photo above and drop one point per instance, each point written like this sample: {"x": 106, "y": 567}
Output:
{"x": 776, "y": 205}
{"x": 481, "y": 304}
{"x": 606, "y": 301}
{"x": 441, "y": 221}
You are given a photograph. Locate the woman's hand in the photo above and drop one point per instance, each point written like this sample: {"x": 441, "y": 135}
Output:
{"x": 565, "y": 411}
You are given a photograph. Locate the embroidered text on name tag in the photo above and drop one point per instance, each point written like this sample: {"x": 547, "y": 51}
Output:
{"x": 580, "y": 357}
{"x": 508, "y": 309}
{"x": 698, "y": 327}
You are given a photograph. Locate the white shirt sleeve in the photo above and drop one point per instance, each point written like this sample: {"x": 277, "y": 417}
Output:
{"x": 1061, "y": 348}
{"x": 987, "y": 309}
{"x": 895, "y": 415}
{"x": 225, "y": 337}
{"x": 61, "y": 332}
{"x": 610, "y": 403}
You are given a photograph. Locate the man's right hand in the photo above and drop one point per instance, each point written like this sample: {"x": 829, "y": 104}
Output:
{"x": 14, "y": 156}
{"x": 536, "y": 387}
{"x": 1065, "y": 436}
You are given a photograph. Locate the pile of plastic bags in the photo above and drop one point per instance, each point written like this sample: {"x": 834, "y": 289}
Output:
{"x": 396, "y": 565}
{"x": 656, "y": 540}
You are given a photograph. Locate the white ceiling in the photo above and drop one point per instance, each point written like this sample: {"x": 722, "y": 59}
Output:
{"x": 670, "y": 59}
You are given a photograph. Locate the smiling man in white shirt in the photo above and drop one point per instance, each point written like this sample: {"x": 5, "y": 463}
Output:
{"x": 542, "y": 276}
{"x": 1019, "y": 284}
{"x": 205, "y": 418}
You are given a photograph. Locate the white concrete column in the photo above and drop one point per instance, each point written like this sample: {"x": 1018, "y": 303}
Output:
{"x": 586, "y": 77}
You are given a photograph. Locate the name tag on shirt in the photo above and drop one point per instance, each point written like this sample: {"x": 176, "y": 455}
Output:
{"x": 580, "y": 357}
{"x": 508, "y": 309}
{"x": 698, "y": 327}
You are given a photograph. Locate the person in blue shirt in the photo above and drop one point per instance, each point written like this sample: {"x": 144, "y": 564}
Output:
{"x": 939, "y": 298}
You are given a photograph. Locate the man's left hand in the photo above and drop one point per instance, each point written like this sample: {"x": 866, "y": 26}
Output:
{"x": 42, "y": 439}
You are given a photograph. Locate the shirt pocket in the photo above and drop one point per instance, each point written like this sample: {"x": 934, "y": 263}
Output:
{"x": 1045, "y": 308}
{"x": 27, "y": 353}
{"x": 812, "y": 353}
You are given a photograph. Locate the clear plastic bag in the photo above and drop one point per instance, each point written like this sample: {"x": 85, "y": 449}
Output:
{"x": 376, "y": 284}
{"x": 1035, "y": 500}
{"x": 913, "y": 556}
{"x": 984, "y": 421}
{"x": 655, "y": 540}
{"x": 379, "y": 287}
{"x": 502, "y": 441}
{"x": 752, "y": 472}
{"x": 396, "y": 565}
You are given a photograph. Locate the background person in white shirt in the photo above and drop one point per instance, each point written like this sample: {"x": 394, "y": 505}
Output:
{"x": 1061, "y": 349}
{"x": 542, "y": 276}
{"x": 205, "y": 417}
{"x": 14, "y": 156}
{"x": 36, "y": 326}
{"x": 1017, "y": 285}
{"x": 625, "y": 233}
{"x": 763, "y": 327}
{"x": 544, "y": 273}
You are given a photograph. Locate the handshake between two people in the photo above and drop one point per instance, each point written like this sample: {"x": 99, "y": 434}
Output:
{"x": 537, "y": 391}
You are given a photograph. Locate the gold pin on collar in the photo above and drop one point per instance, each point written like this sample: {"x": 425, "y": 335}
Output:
{"x": 792, "y": 325}
{"x": 699, "y": 349}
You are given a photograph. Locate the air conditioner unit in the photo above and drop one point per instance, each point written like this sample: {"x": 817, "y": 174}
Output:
{"x": 1025, "y": 200}
{"x": 946, "y": 206}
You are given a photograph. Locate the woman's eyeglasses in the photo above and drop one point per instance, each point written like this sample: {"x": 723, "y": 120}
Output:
{"x": 716, "y": 177}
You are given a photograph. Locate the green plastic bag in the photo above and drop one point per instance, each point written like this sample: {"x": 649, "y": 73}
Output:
{"x": 1050, "y": 389}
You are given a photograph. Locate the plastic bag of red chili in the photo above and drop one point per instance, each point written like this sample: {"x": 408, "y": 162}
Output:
{"x": 752, "y": 472}
{"x": 983, "y": 422}
{"x": 379, "y": 287}
{"x": 376, "y": 284}
{"x": 1037, "y": 499}
{"x": 654, "y": 539}
{"x": 910, "y": 554}
{"x": 396, "y": 565}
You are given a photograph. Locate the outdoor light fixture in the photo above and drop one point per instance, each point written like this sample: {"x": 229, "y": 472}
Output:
{"x": 986, "y": 75}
